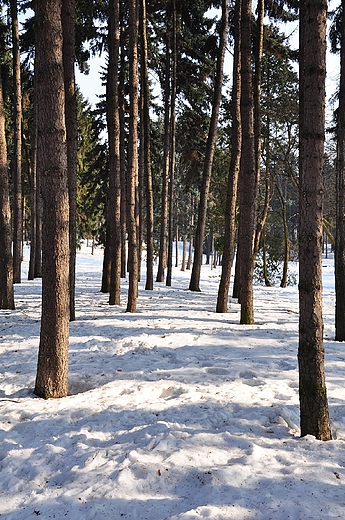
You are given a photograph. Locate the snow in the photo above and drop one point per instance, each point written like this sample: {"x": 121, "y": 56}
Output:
{"x": 174, "y": 412}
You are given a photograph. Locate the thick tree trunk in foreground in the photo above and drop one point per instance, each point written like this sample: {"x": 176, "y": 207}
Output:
{"x": 312, "y": 386}
{"x": 194, "y": 284}
{"x": 6, "y": 260}
{"x": 52, "y": 369}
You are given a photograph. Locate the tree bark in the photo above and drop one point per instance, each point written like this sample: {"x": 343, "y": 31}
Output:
{"x": 172, "y": 146}
{"x": 123, "y": 215}
{"x": 113, "y": 123}
{"x": 147, "y": 153}
{"x": 236, "y": 141}
{"x": 248, "y": 184}
{"x": 194, "y": 284}
{"x": 52, "y": 368}
{"x": 258, "y": 50}
{"x": 312, "y": 387}
{"x": 6, "y": 259}
{"x": 339, "y": 257}
{"x": 184, "y": 249}
{"x": 133, "y": 260}
{"x": 162, "y": 255}
{"x": 68, "y": 26}
{"x": 33, "y": 198}
{"x": 17, "y": 159}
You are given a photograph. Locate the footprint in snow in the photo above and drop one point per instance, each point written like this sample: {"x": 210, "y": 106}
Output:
{"x": 250, "y": 379}
{"x": 217, "y": 370}
{"x": 172, "y": 393}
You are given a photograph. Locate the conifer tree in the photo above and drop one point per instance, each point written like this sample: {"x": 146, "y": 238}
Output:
{"x": 312, "y": 66}
{"x": 52, "y": 367}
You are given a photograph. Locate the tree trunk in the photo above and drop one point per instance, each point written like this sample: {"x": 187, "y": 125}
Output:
{"x": 312, "y": 67}
{"x": 286, "y": 236}
{"x": 184, "y": 249}
{"x": 261, "y": 219}
{"x": 147, "y": 153}
{"x": 113, "y": 124}
{"x": 248, "y": 185}
{"x": 339, "y": 257}
{"x": 6, "y": 259}
{"x": 264, "y": 260}
{"x": 191, "y": 235}
{"x": 258, "y": 50}
{"x": 123, "y": 175}
{"x": 132, "y": 187}
{"x": 236, "y": 141}
{"x": 39, "y": 202}
{"x": 52, "y": 368}
{"x": 172, "y": 147}
{"x": 68, "y": 26}
{"x": 106, "y": 267}
{"x": 210, "y": 146}
{"x": 162, "y": 256}
{"x": 17, "y": 159}
{"x": 33, "y": 199}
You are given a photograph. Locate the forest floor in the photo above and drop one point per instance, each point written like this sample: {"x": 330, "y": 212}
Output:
{"x": 174, "y": 412}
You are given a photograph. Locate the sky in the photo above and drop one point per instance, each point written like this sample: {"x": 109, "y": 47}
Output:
{"x": 174, "y": 412}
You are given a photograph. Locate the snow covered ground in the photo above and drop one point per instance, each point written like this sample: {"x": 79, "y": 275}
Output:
{"x": 174, "y": 412}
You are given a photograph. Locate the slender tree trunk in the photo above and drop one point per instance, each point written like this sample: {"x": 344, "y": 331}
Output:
{"x": 172, "y": 147}
{"x": 286, "y": 236}
{"x": 68, "y": 27}
{"x": 176, "y": 248}
{"x": 39, "y": 215}
{"x": 39, "y": 208}
{"x": 113, "y": 123}
{"x": 17, "y": 159}
{"x": 261, "y": 219}
{"x": 106, "y": 267}
{"x": 33, "y": 203}
{"x": 264, "y": 260}
{"x": 6, "y": 259}
{"x": 52, "y": 368}
{"x": 162, "y": 257}
{"x": 141, "y": 182}
{"x": 339, "y": 257}
{"x": 258, "y": 50}
{"x": 230, "y": 210}
{"x": 248, "y": 185}
{"x": 133, "y": 159}
{"x": 123, "y": 172}
{"x": 147, "y": 153}
{"x": 190, "y": 252}
{"x": 191, "y": 235}
{"x": 312, "y": 387}
{"x": 210, "y": 146}
{"x": 184, "y": 249}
